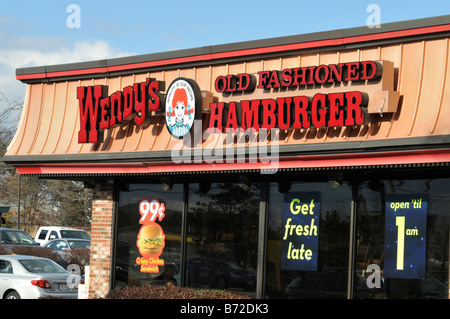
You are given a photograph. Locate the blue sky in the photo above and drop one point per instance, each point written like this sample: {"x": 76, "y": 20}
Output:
{"x": 36, "y": 32}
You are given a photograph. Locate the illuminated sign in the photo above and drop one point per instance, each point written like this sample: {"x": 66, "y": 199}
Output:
{"x": 151, "y": 238}
{"x": 322, "y": 110}
{"x": 300, "y": 232}
{"x": 338, "y": 96}
{"x": 405, "y": 236}
{"x": 99, "y": 112}
{"x": 302, "y": 111}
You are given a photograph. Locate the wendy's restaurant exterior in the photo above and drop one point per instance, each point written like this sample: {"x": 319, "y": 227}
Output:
{"x": 309, "y": 166}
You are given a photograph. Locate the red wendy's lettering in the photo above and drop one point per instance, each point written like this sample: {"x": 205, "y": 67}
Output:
{"x": 332, "y": 73}
{"x": 99, "y": 112}
{"x": 89, "y": 98}
{"x": 134, "y": 103}
{"x": 242, "y": 82}
{"x": 322, "y": 110}
{"x": 216, "y": 116}
{"x": 250, "y": 114}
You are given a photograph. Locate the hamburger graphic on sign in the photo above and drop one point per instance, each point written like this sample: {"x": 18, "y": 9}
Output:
{"x": 150, "y": 239}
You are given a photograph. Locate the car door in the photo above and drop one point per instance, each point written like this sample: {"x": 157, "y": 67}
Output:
{"x": 60, "y": 245}
{"x": 51, "y": 244}
{"x": 6, "y": 275}
{"x": 40, "y": 237}
{"x": 53, "y": 235}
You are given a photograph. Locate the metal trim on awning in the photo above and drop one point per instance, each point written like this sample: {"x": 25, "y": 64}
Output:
{"x": 382, "y": 160}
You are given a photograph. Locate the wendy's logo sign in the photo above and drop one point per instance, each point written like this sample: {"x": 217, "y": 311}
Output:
{"x": 338, "y": 95}
{"x": 137, "y": 103}
{"x": 183, "y": 106}
{"x": 99, "y": 111}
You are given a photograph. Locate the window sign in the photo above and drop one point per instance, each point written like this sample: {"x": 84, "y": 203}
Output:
{"x": 405, "y": 236}
{"x": 151, "y": 239}
{"x": 300, "y": 231}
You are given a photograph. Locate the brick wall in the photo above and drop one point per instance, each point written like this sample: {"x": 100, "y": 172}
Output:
{"x": 101, "y": 239}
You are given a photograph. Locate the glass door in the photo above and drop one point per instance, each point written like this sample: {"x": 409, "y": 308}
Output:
{"x": 222, "y": 236}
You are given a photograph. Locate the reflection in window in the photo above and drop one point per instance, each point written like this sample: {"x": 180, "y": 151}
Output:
{"x": 222, "y": 232}
{"x": 222, "y": 237}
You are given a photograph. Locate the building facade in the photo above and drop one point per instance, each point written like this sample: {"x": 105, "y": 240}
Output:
{"x": 310, "y": 166}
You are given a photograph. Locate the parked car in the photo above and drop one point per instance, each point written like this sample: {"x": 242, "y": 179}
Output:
{"x": 48, "y": 233}
{"x": 218, "y": 273}
{"x": 14, "y": 237}
{"x": 28, "y": 277}
{"x": 63, "y": 246}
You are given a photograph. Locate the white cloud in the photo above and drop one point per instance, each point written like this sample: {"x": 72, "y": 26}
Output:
{"x": 23, "y": 51}
{"x": 59, "y": 53}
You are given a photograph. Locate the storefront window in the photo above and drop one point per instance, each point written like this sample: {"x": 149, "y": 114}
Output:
{"x": 401, "y": 236}
{"x": 128, "y": 270}
{"x": 413, "y": 264}
{"x": 307, "y": 257}
{"x": 222, "y": 233}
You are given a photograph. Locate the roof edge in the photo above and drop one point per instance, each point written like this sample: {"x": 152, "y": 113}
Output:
{"x": 323, "y": 38}
{"x": 435, "y": 143}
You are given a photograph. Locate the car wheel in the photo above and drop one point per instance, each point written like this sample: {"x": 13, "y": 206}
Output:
{"x": 12, "y": 295}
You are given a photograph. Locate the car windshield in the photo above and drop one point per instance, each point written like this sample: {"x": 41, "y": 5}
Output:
{"x": 75, "y": 234}
{"x": 41, "y": 266}
{"x": 16, "y": 237}
{"x": 79, "y": 244}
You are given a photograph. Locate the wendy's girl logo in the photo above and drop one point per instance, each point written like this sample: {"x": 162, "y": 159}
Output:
{"x": 183, "y": 106}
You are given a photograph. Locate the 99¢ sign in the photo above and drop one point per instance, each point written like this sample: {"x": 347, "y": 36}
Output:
{"x": 151, "y": 238}
{"x": 151, "y": 210}
{"x": 405, "y": 236}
